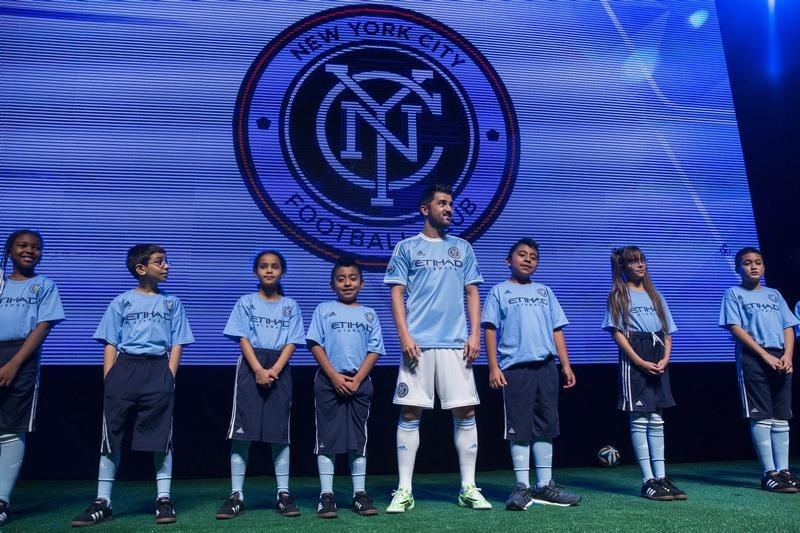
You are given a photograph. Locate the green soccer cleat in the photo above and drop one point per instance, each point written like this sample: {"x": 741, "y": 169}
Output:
{"x": 470, "y": 496}
{"x": 402, "y": 501}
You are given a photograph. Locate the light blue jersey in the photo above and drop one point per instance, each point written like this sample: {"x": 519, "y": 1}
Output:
{"x": 267, "y": 324}
{"x": 347, "y": 333}
{"x": 525, "y": 317}
{"x": 434, "y": 272}
{"x": 797, "y": 314}
{"x": 144, "y": 324}
{"x": 643, "y": 316}
{"x": 26, "y": 303}
{"x": 762, "y": 313}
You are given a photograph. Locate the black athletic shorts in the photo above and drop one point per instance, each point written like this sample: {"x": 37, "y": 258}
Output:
{"x": 139, "y": 397}
{"x": 531, "y": 400}
{"x": 765, "y": 393}
{"x": 18, "y": 400}
{"x": 261, "y": 414}
{"x": 341, "y": 420}
{"x": 639, "y": 391}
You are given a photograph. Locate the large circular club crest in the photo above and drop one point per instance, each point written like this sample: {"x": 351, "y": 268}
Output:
{"x": 347, "y": 115}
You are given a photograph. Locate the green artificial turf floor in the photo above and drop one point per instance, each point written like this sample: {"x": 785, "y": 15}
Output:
{"x": 722, "y": 497}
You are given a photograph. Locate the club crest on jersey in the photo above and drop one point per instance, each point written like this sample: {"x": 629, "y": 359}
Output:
{"x": 347, "y": 115}
{"x": 370, "y": 317}
{"x": 169, "y": 305}
{"x": 773, "y": 298}
{"x": 454, "y": 252}
{"x": 287, "y": 311}
{"x": 542, "y": 291}
{"x": 36, "y": 288}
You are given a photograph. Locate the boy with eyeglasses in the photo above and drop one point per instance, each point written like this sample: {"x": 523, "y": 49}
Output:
{"x": 143, "y": 331}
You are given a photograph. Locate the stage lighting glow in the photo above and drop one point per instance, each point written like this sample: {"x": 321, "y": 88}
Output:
{"x": 698, "y": 18}
{"x": 641, "y": 64}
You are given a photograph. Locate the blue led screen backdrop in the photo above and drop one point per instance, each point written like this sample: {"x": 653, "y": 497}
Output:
{"x": 219, "y": 129}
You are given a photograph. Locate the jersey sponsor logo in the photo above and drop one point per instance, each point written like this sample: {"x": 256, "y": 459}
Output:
{"x": 267, "y": 322}
{"x": 438, "y": 263}
{"x": 7, "y": 300}
{"x": 402, "y": 390}
{"x": 347, "y": 115}
{"x": 524, "y": 300}
{"x": 639, "y": 404}
{"x": 758, "y": 306}
{"x": 147, "y": 315}
{"x": 643, "y": 310}
{"x": 346, "y": 326}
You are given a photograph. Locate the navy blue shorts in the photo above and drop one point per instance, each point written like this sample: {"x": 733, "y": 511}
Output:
{"x": 18, "y": 400}
{"x": 138, "y": 398}
{"x": 341, "y": 420}
{"x": 765, "y": 393}
{"x": 261, "y": 414}
{"x": 531, "y": 401}
{"x": 639, "y": 391}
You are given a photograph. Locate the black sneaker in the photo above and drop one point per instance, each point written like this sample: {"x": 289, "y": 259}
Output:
{"x": 286, "y": 506}
{"x": 552, "y": 494}
{"x": 165, "y": 511}
{"x": 362, "y": 504}
{"x": 326, "y": 508}
{"x": 789, "y": 478}
{"x": 231, "y": 508}
{"x": 520, "y": 498}
{"x": 677, "y": 494}
{"x": 653, "y": 490}
{"x": 97, "y": 511}
{"x": 774, "y": 482}
{"x": 3, "y": 512}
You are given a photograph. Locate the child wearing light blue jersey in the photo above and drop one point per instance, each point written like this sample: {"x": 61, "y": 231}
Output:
{"x": 267, "y": 326}
{"x": 762, "y": 325}
{"x": 144, "y": 324}
{"x": 29, "y": 308}
{"x": 523, "y": 324}
{"x": 346, "y": 340}
{"x": 143, "y": 332}
{"x": 440, "y": 274}
{"x": 638, "y": 318}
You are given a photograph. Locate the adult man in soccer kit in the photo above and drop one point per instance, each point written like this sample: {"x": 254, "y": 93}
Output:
{"x": 437, "y": 270}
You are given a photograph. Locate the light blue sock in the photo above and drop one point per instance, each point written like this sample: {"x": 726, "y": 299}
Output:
{"x": 655, "y": 441}
{"x": 780, "y": 444}
{"x": 521, "y": 460}
{"x": 107, "y": 472}
{"x": 760, "y": 431}
{"x": 12, "y": 451}
{"x": 240, "y": 449}
{"x": 640, "y": 448}
{"x": 325, "y": 466}
{"x": 281, "y": 459}
{"x": 163, "y": 464}
{"x": 543, "y": 461}
{"x": 358, "y": 471}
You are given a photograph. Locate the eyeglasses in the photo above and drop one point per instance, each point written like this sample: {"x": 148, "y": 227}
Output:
{"x": 161, "y": 261}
